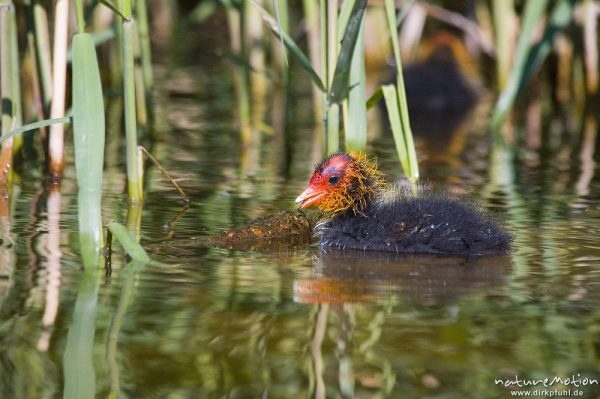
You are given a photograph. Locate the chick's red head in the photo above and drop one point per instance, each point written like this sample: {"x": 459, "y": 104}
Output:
{"x": 341, "y": 182}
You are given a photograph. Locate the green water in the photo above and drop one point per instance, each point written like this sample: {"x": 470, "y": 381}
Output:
{"x": 290, "y": 322}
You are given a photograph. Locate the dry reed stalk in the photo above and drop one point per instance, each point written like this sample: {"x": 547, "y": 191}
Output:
{"x": 59, "y": 77}
{"x": 7, "y": 105}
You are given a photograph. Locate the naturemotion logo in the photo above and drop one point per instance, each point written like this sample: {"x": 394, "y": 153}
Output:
{"x": 573, "y": 381}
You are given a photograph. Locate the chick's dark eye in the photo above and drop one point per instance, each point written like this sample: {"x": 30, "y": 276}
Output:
{"x": 334, "y": 179}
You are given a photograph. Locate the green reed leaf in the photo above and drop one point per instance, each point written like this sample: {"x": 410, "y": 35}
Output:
{"x": 128, "y": 242}
{"x": 399, "y": 114}
{"x": 34, "y": 126}
{"x": 88, "y": 133}
{"x": 391, "y": 102}
{"x": 340, "y": 86}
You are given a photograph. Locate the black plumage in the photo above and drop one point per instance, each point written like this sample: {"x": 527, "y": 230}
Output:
{"x": 426, "y": 224}
{"x": 364, "y": 211}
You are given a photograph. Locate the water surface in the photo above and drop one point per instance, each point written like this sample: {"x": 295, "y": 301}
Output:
{"x": 291, "y": 321}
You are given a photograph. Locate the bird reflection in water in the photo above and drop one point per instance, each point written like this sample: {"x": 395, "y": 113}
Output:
{"x": 357, "y": 276}
{"x": 343, "y": 279}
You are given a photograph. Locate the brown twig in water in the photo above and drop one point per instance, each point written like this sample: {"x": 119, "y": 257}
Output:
{"x": 169, "y": 227}
{"x": 165, "y": 173}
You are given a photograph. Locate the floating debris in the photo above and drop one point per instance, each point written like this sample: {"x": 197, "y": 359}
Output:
{"x": 282, "y": 229}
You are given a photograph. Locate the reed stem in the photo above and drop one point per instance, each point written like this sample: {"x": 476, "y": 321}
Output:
{"x": 134, "y": 221}
{"x": 332, "y": 119}
{"x": 282, "y": 136}
{"x": 313, "y": 31}
{"x": 116, "y": 55}
{"x": 134, "y": 180}
{"x": 126, "y": 9}
{"x": 59, "y": 77}
{"x": 15, "y": 79}
{"x": 356, "y": 128}
{"x": 332, "y": 39}
{"x": 146, "y": 51}
{"x": 6, "y": 95}
{"x": 324, "y": 70}
{"x": 503, "y": 13}
{"x": 590, "y": 43}
{"x": 333, "y": 128}
{"x": 79, "y": 16}
{"x": 42, "y": 46}
{"x": 236, "y": 33}
{"x": 140, "y": 89}
{"x": 257, "y": 60}
{"x": 37, "y": 100}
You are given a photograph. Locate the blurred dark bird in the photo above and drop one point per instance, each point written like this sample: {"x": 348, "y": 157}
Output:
{"x": 364, "y": 211}
{"x": 440, "y": 88}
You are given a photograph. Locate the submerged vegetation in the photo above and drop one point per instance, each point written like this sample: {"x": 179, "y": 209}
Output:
{"x": 78, "y": 97}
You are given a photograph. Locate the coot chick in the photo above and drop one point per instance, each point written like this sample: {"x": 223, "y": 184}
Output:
{"x": 363, "y": 211}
